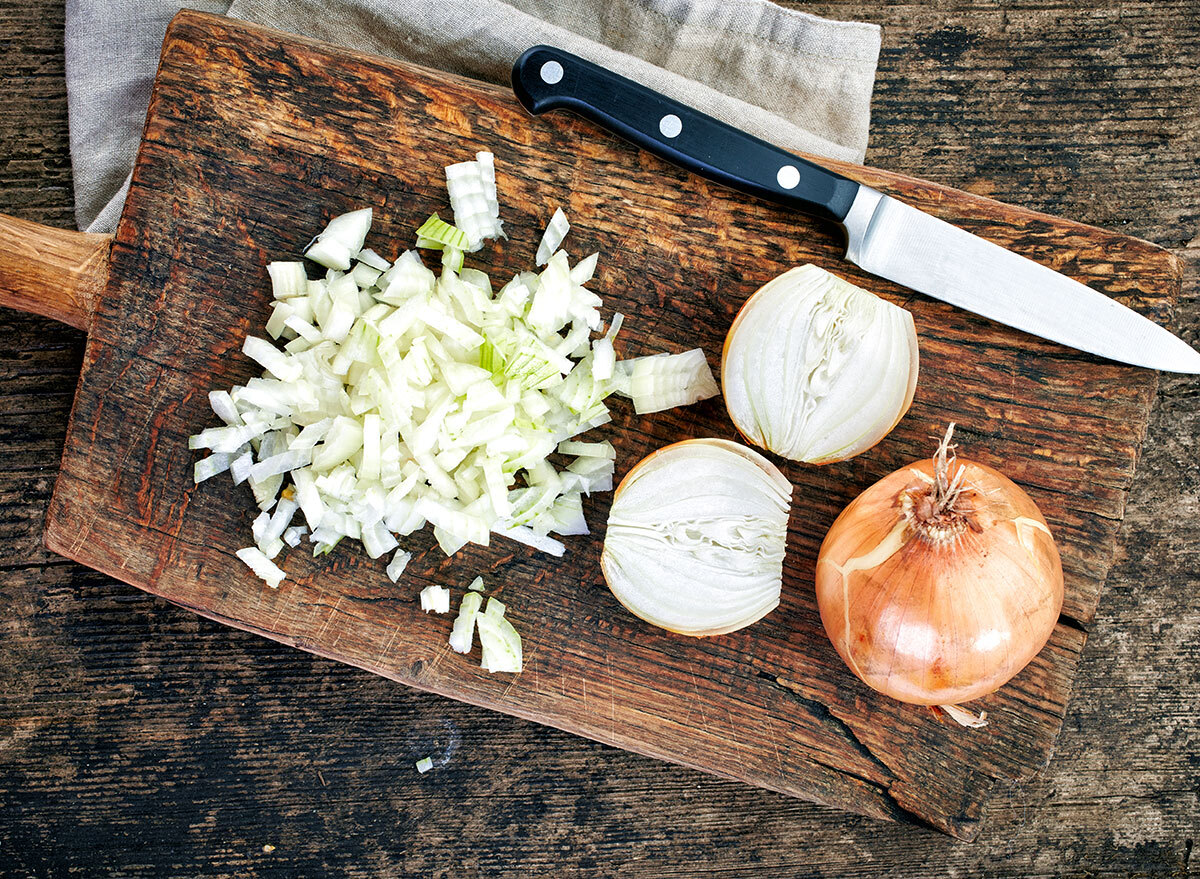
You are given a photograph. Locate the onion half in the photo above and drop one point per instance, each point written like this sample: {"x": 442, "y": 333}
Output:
{"x": 940, "y": 582}
{"x": 696, "y": 537}
{"x": 816, "y": 369}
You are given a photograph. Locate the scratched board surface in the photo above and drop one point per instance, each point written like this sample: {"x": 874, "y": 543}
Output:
{"x": 255, "y": 139}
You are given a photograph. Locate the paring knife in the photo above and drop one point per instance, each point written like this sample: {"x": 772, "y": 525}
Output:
{"x": 884, "y": 236}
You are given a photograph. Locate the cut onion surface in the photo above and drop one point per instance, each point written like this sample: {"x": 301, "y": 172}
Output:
{"x": 696, "y": 537}
{"x": 816, "y": 369}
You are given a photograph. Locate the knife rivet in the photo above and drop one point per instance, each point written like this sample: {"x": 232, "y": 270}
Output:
{"x": 670, "y": 125}
{"x": 551, "y": 72}
{"x": 788, "y": 176}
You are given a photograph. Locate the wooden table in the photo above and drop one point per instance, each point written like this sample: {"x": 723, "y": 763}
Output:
{"x": 137, "y": 739}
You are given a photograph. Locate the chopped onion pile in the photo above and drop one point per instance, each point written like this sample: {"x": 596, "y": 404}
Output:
{"x": 403, "y": 398}
{"x": 817, "y": 369}
{"x": 696, "y": 537}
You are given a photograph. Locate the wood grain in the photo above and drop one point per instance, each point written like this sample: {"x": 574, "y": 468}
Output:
{"x": 140, "y": 740}
{"x": 237, "y": 112}
{"x": 51, "y": 272}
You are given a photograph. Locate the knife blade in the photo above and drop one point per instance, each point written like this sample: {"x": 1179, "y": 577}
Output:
{"x": 885, "y": 236}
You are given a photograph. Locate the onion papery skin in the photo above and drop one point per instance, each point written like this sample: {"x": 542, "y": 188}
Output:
{"x": 816, "y": 369}
{"x": 939, "y": 617}
{"x": 729, "y": 507}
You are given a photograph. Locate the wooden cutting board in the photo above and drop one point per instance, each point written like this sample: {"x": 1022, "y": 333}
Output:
{"x": 254, "y": 139}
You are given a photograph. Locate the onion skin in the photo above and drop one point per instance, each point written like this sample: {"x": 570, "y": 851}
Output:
{"x": 946, "y": 610}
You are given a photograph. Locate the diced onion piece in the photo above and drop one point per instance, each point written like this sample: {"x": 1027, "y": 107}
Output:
{"x": 407, "y": 279}
{"x": 364, "y": 275}
{"x": 329, "y": 253}
{"x": 311, "y": 434}
{"x": 277, "y": 323}
{"x": 305, "y": 330}
{"x": 436, "y": 599}
{"x": 259, "y": 525}
{"x": 478, "y": 278}
{"x": 551, "y": 306}
{"x": 240, "y": 467}
{"x": 341, "y": 240}
{"x": 566, "y": 517}
{"x": 462, "y": 635}
{"x": 468, "y": 187}
{"x": 425, "y": 764}
{"x": 224, "y": 408}
{"x": 500, "y": 642}
{"x": 583, "y": 270}
{"x": 207, "y": 468}
{"x": 227, "y": 439}
{"x": 288, "y": 279}
{"x": 817, "y": 369}
{"x": 272, "y": 359}
{"x": 377, "y": 540}
{"x": 435, "y": 233}
{"x": 397, "y": 565}
{"x": 663, "y": 381}
{"x": 556, "y": 231}
{"x": 262, "y": 566}
{"x": 529, "y": 537}
{"x": 370, "y": 258}
{"x": 604, "y": 359}
{"x": 452, "y": 258}
{"x": 604, "y": 356}
{"x": 487, "y": 170}
{"x": 345, "y": 437}
{"x": 265, "y": 491}
{"x": 280, "y": 519}
{"x": 270, "y": 547}
{"x": 696, "y": 537}
{"x": 587, "y": 450}
{"x": 292, "y": 536}
{"x": 284, "y": 462}
{"x": 311, "y": 503}
{"x": 350, "y": 229}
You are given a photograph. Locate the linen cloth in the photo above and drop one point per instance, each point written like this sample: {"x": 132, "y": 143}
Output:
{"x": 801, "y": 82}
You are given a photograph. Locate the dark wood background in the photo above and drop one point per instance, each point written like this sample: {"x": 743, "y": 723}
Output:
{"x": 137, "y": 739}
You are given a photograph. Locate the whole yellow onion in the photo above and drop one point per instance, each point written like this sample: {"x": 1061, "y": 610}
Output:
{"x": 939, "y": 582}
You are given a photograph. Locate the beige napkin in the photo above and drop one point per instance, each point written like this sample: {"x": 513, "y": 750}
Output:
{"x": 801, "y": 82}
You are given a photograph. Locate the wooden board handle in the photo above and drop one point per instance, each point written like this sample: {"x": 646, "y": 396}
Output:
{"x": 53, "y": 272}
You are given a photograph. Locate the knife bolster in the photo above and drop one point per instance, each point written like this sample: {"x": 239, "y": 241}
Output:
{"x": 857, "y": 222}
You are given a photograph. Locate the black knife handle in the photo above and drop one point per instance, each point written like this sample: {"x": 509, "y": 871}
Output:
{"x": 545, "y": 78}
